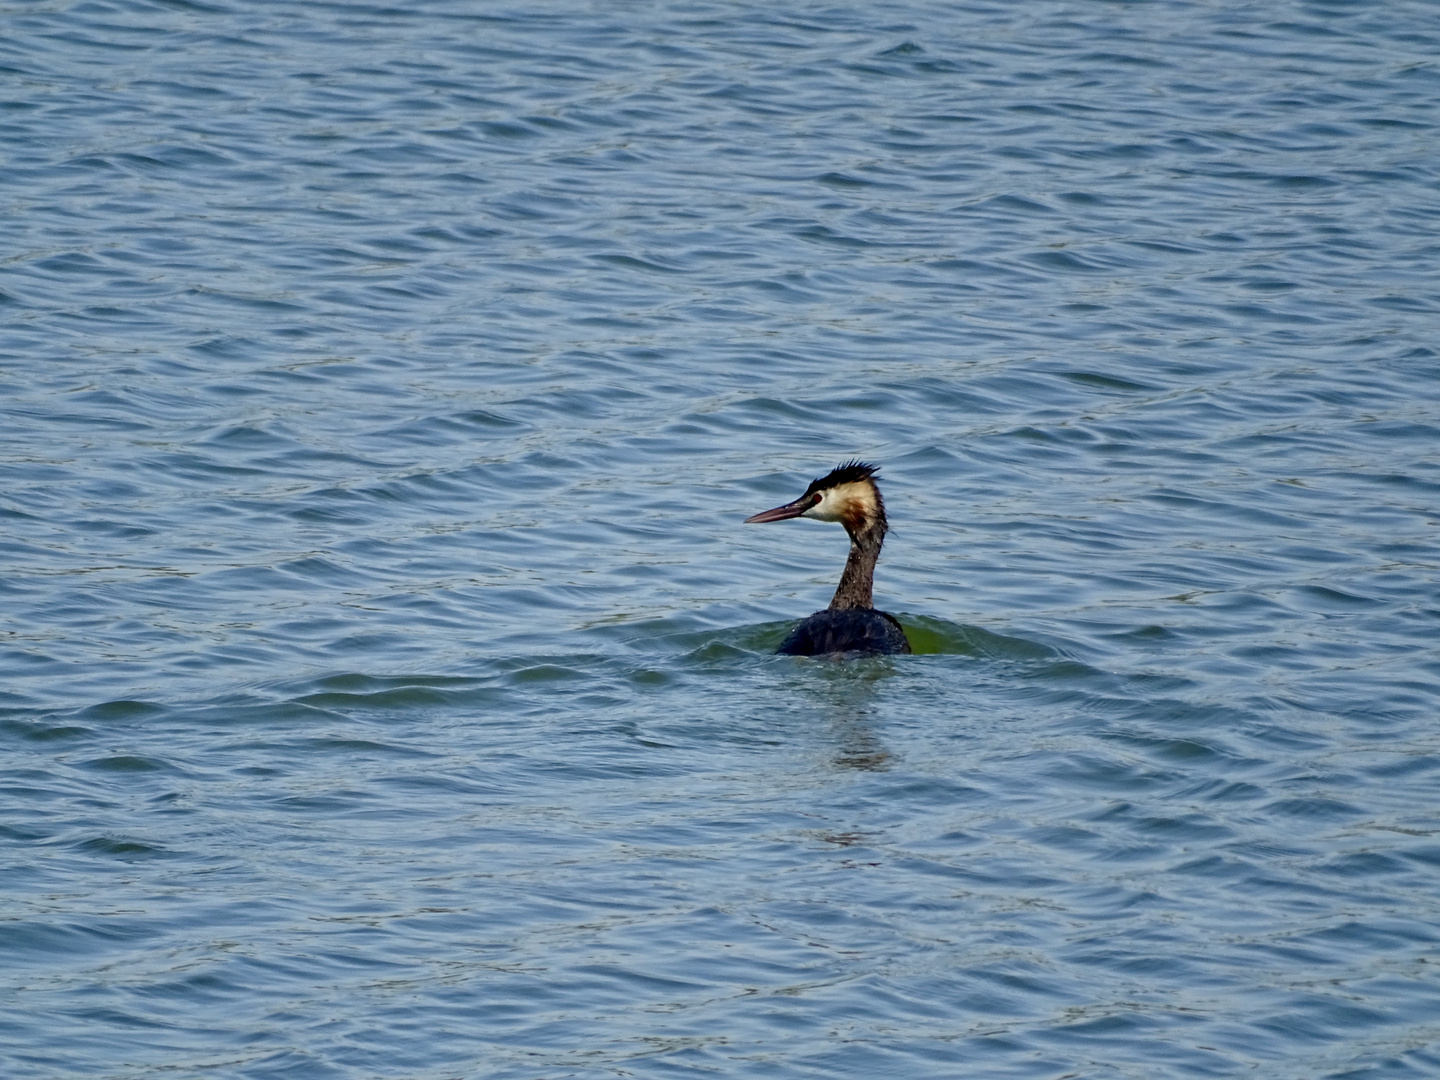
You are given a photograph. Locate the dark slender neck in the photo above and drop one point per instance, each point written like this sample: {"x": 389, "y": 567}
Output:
{"x": 857, "y": 583}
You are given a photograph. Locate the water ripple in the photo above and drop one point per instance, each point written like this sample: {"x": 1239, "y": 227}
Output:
{"x": 387, "y": 676}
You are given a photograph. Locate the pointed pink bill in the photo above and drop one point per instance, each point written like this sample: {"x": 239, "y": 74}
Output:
{"x": 780, "y": 513}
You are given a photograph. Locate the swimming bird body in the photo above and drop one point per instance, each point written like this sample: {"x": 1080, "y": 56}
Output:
{"x": 850, "y": 624}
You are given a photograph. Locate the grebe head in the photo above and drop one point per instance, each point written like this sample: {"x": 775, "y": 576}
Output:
{"x": 847, "y": 495}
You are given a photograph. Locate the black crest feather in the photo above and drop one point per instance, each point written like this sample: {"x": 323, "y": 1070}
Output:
{"x": 850, "y": 473}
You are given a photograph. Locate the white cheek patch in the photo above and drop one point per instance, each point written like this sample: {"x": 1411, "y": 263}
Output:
{"x": 831, "y": 507}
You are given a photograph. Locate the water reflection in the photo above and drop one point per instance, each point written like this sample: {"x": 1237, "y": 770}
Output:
{"x": 858, "y": 746}
{"x": 846, "y": 693}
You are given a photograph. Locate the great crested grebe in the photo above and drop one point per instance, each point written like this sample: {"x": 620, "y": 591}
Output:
{"x": 850, "y": 624}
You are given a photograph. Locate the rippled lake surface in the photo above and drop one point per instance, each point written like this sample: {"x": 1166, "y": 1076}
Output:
{"x": 387, "y": 685}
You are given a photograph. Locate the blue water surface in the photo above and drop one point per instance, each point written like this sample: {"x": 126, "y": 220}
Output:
{"x": 386, "y": 676}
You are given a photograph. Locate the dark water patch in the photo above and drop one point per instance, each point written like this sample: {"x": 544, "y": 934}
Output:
{"x": 127, "y": 763}
{"x": 846, "y": 181}
{"x": 401, "y": 697}
{"x": 822, "y": 234}
{"x": 1015, "y": 204}
{"x": 1106, "y": 382}
{"x": 480, "y": 418}
{"x": 1321, "y": 598}
{"x": 1190, "y": 751}
{"x": 35, "y": 939}
{"x": 119, "y": 848}
{"x": 631, "y": 262}
{"x": 44, "y": 731}
{"x": 545, "y": 673}
{"x": 1108, "y": 775}
{"x": 356, "y": 747}
{"x": 1313, "y": 808}
{"x": 1149, "y": 635}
